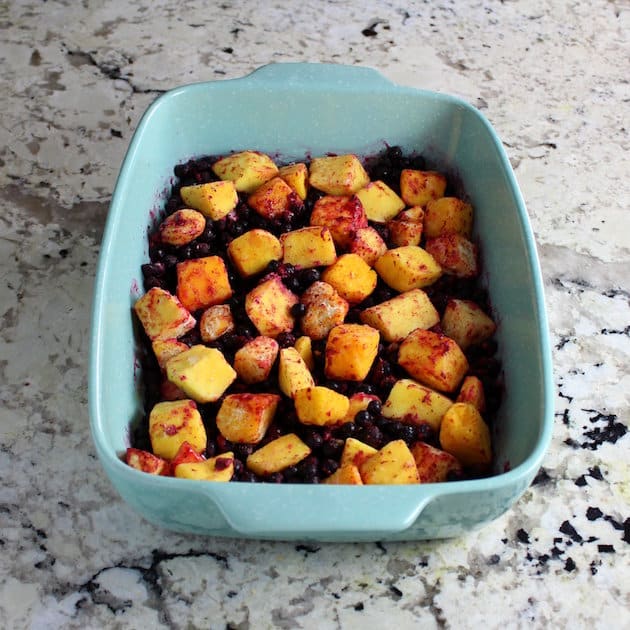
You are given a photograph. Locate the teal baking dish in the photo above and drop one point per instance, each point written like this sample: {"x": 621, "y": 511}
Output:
{"x": 294, "y": 110}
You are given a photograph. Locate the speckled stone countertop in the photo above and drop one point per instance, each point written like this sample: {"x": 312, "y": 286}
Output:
{"x": 75, "y": 79}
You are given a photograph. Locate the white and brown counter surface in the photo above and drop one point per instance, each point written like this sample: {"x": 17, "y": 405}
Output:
{"x": 553, "y": 80}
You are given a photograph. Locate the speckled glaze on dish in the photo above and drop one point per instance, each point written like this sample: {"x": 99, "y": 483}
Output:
{"x": 292, "y": 110}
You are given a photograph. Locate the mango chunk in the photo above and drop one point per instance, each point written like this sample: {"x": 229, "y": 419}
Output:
{"x": 380, "y": 202}
{"x": 355, "y": 453}
{"x": 408, "y": 267}
{"x": 413, "y": 403}
{"x": 352, "y": 278}
{"x": 201, "y": 372}
{"x": 418, "y": 188}
{"x": 368, "y": 244}
{"x": 350, "y": 351}
{"x": 219, "y": 468}
{"x": 471, "y": 391}
{"x": 164, "y": 349}
{"x": 254, "y": 361}
{"x": 308, "y": 247}
{"x": 434, "y": 465}
{"x": 245, "y": 418}
{"x": 433, "y": 359}
{"x": 162, "y": 315}
{"x": 304, "y": 346}
{"x": 203, "y": 282}
{"x": 448, "y": 215}
{"x": 397, "y": 317}
{"x": 403, "y": 232}
{"x": 465, "y": 435}
{"x": 320, "y": 406}
{"x": 359, "y": 402}
{"x": 215, "y": 322}
{"x": 277, "y": 455}
{"x": 455, "y": 254}
{"x": 343, "y": 216}
{"x": 268, "y": 306}
{"x": 293, "y": 373}
{"x": 338, "y": 175}
{"x": 146, "y": 462}
{"x": 274, "y": 199}
{"x": 253, "y": 251}
{"x": 325, "y": 308}
{"x": 296, "y": 175}
{"x": 466, "y": 323}
{"x": 171, "y": 424}
{"x": 247, "y": 169}
{"x": 392, "y": 464}
{"x": 345, "y": 475}
{"x": 214, "y": 200}
{"x": 182, "y": 227}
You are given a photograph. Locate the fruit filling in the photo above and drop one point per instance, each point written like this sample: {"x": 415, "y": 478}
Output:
{"x": 315, "y": 322}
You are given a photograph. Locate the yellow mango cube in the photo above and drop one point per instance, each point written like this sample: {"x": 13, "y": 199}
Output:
{"x": 355, "y": 453}
{"x": 219, "y": 468}
{"x": 352, "y": 278}
{"x": 215, "y": 322}
{"x": 433, "y": 359}
{"x": 171, "y": 424}
{"x": 203, "y": 282}
{"x": 146, "y": 462}
{"x": 466, "y": 323}
{"x": 418, "y": 188}
{"x": 247, "y": 169}
{"x": 325, "y": 308}
{"x": 268, "y": 306}
{"x": 254, "y": 361}
{"x": 417, "y": 404}
{"x": 338, "y": 174}
{"x": 277, "y": 455}
{"x": 415, "y": 214}
{"x": 164, "y": 349}
{"x": 296, "y": 175}
{"x": 308, "y": 247}
{"x": 397, "y": 317}
{"x": 471, "y": 391}
{"x": 403, "y": 233}
{"x": 465, "y": 435}
{"x": 201, "y": 372}
{"x": 345, "y": 475}
{"x": 162, "y": 315}
{"x": 182, "y": 227}
{"x": 350, "y": 351}
{"x": 253, "y": 251}
{"x": 448, "y": 215}
{"x": 343, "y": 216}
{"x": 304, "y": 346}
{"x": 368, "y": 244}
{"x": 455, "y": 254}
{"x": 406, "y": 268}
{"x": 293, "y": 373}
{"x": 392, "y": 464}
{"x": 380, "y": 202}
{"x": 359, "y": 402}
{"x": 214, "y": 200}
{"x": 434, "y": 465}
{"x": 320, "y": 406}
{"x": 245, "y": 418}
{"x": 274, "y": 199}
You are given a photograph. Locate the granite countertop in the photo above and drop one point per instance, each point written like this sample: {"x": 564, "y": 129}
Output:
{"x": 76, "y": 78}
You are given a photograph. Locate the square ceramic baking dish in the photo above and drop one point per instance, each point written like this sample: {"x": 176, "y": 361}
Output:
{"x": 295, "y": 110}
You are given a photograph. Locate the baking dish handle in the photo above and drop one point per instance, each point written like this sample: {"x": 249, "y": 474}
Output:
{"x": 295, "y": 510}
{"x": 318, "y": 74}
